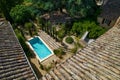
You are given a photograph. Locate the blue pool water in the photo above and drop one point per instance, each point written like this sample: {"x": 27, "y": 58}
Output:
{"x": 40, "y": 48}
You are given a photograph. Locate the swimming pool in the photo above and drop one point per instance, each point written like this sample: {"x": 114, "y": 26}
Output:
{"x": 39, "y": 47}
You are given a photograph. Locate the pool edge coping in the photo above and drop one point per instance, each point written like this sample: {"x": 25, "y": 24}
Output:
{"x": 52, "y": 53}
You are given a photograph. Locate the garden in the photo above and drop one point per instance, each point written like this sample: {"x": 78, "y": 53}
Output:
{"x": 65, "y": 18}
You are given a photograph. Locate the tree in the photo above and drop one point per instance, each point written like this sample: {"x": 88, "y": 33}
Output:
{"x": 94, "y": 30}
{"x": 20, "y": 14}
{"x": 54, "y": 32}
{"x": 61, "y": 34}
{"x": 44, "y": 5}
{"x": 1, "y": 14}
{"x": 77, "y": 28}
{"x": 59, "y": 4}
{"x": 75, "y": 8}
{"x": 22, "y": 42}
{"x": 80, "y": 8}
{"x": 50, "y": 5}
{"x": 6, "y": 5}
{"x": 49, "y": 26}
{"x": 29, "y": 27}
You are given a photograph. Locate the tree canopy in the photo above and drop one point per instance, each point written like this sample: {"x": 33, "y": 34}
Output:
{"x": 20, "y": 14}
{"x": 94, "y": 30}
{"x": 80, "y": 7}
{"x": 12, "y": 3}
{"x": 6, "y": 5}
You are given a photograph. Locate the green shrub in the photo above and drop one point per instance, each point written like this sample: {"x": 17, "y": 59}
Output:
{"x": 20, "y": 14}
{"x": 59, "y": 52}
{"x": 77, "y": 46}
{"x": 23, "y": 44}
{"x": 47, "y": 68}
{"x": 96, "y": 32}
{"x": 44, "y": 67}
{"x": 28, "y": 25}
{"x": 41, "y": 66}
{"x": 61, "y": 33}
{"x": 79, "y": 28}
{"x": 74, "y": 50}
{"x": 69, "y": 40}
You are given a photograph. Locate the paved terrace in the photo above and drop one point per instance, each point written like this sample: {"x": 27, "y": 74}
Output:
{"x": 13, "y": 62}
{"x": 49, "y": 40}
{"x": 100, "y": 60}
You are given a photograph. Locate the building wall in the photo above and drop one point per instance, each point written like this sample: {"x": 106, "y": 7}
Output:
{"x": 117, "y": 22}
{"x": 103, "y": 24}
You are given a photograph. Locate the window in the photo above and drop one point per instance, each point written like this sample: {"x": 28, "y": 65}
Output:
{"x": 106, "y": 21}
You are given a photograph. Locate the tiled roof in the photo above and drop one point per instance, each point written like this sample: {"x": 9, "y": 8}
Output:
{"x": 111, "y": 9}
{"x": 100, "y": 60}
{"x": 13, "y": 62}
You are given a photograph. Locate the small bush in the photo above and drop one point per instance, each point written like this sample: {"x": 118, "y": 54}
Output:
{"x": 59, "y": 52}
{"x": 48, "y": 68}
{"x": 45, "y": 68}
{"x": 79, "y": 45}
{"x": 74, "y": 50}
{"x": 61, "y": 33}
{"x": 41, "y": 66}
{"x": 28, "y": 25}
{"x": 69, "y": 40}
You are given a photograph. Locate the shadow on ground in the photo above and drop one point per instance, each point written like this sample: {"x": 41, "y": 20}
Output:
{"x": 37, "y": 72}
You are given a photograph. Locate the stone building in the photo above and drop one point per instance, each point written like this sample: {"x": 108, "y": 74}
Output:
{"x": 110, "y": 13}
